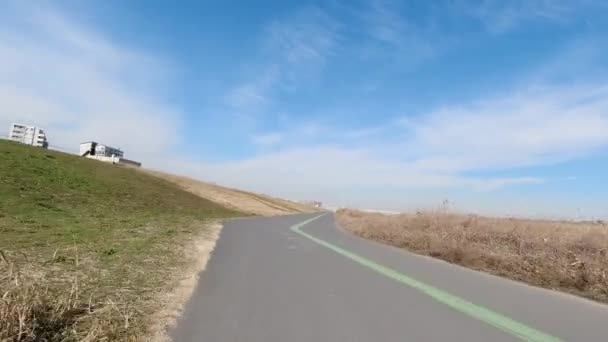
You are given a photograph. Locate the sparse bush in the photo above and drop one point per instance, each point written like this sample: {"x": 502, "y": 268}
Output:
{"x": 568, "y": 256}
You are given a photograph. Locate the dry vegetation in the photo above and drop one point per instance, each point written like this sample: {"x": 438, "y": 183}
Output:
{"x": 565, "y": 256}
{"x": 94, "y": 252}
{"x": 247, "y": 202}
{"x": 36, "y": 309}
{"x": 43, "y": 302}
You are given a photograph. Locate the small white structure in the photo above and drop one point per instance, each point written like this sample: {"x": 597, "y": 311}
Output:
{"x": 94, "y": 150}
{"x": 29, "y": 135}
{"x": 315, "y": 204}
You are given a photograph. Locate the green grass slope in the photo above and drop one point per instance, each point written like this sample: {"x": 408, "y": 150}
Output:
{"x": 87, "y": 245}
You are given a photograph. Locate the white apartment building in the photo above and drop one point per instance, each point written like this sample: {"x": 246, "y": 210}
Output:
{"x": 29, "y": 135}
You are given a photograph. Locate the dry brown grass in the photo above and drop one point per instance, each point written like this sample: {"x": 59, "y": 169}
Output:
{"x": 31, "y": 309}
{"x": 43, "y": 302}
{"x": 566, "y": 256}
{"x": 248, "y": 202}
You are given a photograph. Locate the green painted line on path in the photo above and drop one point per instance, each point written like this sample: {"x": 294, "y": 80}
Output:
{"x": 485, "y": 315}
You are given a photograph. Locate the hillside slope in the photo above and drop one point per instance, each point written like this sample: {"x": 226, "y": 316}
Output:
{"x": 88, "y": 248}
{"x": 248, "y": 202}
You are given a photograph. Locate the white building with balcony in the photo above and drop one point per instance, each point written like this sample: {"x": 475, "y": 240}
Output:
{"x": 29, "y": 135}
{"x": 94, "y": 150}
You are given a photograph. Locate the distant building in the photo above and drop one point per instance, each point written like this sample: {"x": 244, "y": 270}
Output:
{"x": 316, "y": 204}
{"x": 94, "y": 150}
{"x": 29, "y": 135}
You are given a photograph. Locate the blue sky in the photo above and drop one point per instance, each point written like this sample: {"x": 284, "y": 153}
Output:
{"x": 501, "y": 107}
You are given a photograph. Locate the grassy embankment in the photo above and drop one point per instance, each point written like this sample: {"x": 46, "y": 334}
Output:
{"x": 90, "y": 250}
{"x": 255, "y": 204}
{"x": 566, "y": 256}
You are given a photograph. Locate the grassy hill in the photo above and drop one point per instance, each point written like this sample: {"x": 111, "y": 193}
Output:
{"x": 87, "y": 247}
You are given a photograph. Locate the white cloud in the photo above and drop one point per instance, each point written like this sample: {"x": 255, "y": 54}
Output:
{"x": 441, "y": 152}
{"x": 325, "y": 167}
{"x": 537, "y": 126}
{"x": 80, "y": 86}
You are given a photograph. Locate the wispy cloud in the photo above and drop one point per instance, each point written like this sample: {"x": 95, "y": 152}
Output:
{"x": 497, "y": 183}
{"x": 502, "y": 16}
{"x": 79, "y": 85}
{"x": 385, "y": 22}
{"x": 293, "y": 50}
{"x": 268, "y": 139}
{"x": 306, "y": 38}
{"x": 299, "y": 50}
{"x": 255, "y": 94}
{"x": 388, "y": 34}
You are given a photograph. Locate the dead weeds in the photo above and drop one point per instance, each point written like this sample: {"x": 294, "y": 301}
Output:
{"x": 33, "y": 308}
{"x": 566, "y": 256}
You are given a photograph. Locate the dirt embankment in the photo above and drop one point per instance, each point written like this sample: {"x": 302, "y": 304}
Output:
{"x": 247, "y": 202}
{"x": 566, "y": 256}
